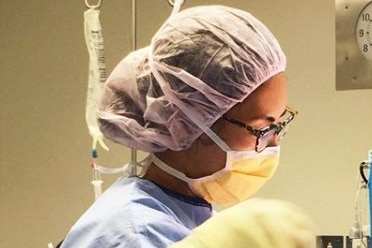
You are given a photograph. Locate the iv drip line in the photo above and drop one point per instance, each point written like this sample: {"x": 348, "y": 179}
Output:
{"x": 96, "y": 80}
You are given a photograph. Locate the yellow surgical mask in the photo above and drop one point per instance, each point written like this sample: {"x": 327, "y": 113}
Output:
{"x": 245, "y": 172}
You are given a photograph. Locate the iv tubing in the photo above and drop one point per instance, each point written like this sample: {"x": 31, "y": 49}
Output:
{"x": 127, "y": 168}
{"x": 97, "y": 184}
{"x": 96, "y": 79}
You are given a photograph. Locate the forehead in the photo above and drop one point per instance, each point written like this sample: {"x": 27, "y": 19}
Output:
{"x": 268, "y": 101}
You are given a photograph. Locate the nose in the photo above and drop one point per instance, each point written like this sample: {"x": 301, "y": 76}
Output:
{"x": 274, "y": 141}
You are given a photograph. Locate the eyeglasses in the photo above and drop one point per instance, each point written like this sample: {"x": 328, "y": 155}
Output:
{"x": 266, "y": 134}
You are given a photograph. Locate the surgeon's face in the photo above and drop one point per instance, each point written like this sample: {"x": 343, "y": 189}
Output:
{"x": 262, "y": 108}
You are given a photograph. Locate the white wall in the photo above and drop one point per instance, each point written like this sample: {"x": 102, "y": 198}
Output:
{"x": 45, "y": 148}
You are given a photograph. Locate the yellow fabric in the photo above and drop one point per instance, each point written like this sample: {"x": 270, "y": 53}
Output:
{"x": 244, "y": 179}
{"x": 255, "y": 223}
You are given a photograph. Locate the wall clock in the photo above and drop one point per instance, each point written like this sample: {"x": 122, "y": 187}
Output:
{"x": 353, "y": 44}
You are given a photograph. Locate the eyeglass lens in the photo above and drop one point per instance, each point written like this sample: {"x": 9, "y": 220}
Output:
{"x": 264, "y": 140}
{"x": 280, "y": 130}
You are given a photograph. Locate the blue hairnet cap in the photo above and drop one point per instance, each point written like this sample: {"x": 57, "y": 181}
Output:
{"x": 200, "y": 63}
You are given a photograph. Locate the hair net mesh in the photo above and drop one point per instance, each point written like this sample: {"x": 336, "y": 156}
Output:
{"x": 200, "y": 63}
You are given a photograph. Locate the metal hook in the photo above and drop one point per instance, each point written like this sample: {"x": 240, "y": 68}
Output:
{"x": 173, "y": 2}
{"x": 93, "y": 6}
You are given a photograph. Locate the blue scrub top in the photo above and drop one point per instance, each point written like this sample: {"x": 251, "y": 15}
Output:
{"x": 135, "y": 212}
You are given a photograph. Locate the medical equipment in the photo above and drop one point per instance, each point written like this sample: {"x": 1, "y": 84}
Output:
{"x": 360, "y": 230}
{"x": 133, "y": 169}
{"x": 96, "y": 80}
{"x": 244, "y": 174}
{"x": 97, "y": 73}
{"x": 370, "y": 192}
{"x": 353, "y": 44}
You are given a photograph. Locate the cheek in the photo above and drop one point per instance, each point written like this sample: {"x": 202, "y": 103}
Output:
{"x": 239, "y": 139}
{"x": 208, "y": 160}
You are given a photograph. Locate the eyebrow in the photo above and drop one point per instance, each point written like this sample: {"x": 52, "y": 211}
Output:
{"x": 272, "y": 119}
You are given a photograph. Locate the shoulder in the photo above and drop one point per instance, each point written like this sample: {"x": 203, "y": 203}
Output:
{"x": 127, "y": 215}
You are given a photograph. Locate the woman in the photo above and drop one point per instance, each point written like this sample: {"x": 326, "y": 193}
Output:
{"x": 208, "y": 100}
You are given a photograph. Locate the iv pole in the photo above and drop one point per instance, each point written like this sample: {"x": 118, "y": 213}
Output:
{"x": 369, "y": 190}
{"x": 134, "y": 47}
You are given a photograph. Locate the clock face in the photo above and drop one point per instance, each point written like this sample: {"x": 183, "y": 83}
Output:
{"x": 363, "y": 31}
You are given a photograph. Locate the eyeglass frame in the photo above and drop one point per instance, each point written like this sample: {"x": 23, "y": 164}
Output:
{"x": 259, "y": 133}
